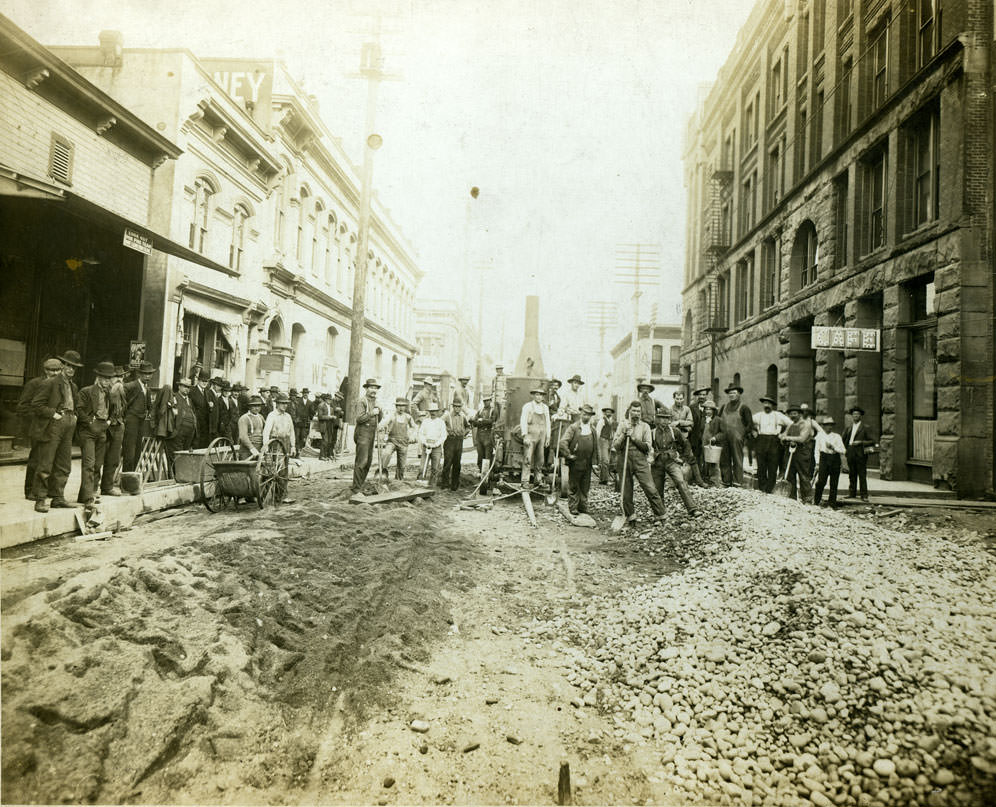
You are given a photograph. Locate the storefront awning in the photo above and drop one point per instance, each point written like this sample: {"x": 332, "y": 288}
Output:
{"x": 23, "y": 186}
{"x": 208, "y": 309}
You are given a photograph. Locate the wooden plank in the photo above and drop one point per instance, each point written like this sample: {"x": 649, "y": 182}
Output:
{"x": 580, "y": 520}
{"x": 391, "y": 496}
{"x": 529, "y": 508}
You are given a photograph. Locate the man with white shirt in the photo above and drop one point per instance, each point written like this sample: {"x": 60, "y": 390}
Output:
{"x": 534, "y": 422}
{"x": 280, "y": 426}
{"x": 431, "y": 436}
{"x": 769, "y": 425}
{"x": 573, "y": 399}
{"x": 829, "y": 450}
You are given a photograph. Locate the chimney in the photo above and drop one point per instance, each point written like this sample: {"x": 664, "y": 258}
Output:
{"x": 530, "y": 362}
{"x": 111, "y": 48}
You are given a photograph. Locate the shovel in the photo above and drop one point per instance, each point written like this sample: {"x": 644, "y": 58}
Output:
{"x": 551, "y": 497}
{"x": 424, "y": 483}
{"x": 620, "y": 521}
{"x": 782, "y": 485}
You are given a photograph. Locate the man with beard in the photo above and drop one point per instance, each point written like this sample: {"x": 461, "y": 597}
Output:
{"x": 739, "y": 423}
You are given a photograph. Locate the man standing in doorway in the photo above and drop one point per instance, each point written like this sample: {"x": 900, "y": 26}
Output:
{"x": 54, "y": 409}
{"x": 769, "y": 425}
{"x": 367, "y": 419}
{"x": 737, "y": 419}
{"x": 856, "y": 440}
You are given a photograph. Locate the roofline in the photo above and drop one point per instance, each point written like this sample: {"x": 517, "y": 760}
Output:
{"x": 61, "y": 71}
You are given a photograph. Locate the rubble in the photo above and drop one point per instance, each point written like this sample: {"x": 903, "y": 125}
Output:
{"x": 799, "y": 654}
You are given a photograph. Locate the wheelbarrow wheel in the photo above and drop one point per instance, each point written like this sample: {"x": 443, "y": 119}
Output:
{"x": 273, "y": 472}
{"x": 219, "y": 450}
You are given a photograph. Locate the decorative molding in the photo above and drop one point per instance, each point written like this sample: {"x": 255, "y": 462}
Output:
{"x": 158, "y": 161}
{"x": 104, "y": 124}
{"x": 218, "y": 134}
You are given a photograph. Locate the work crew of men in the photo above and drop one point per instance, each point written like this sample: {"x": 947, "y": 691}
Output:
{"x": 579, "y": 447}
{"x": 633, "y": 443}
{"x": 397, "y": 429}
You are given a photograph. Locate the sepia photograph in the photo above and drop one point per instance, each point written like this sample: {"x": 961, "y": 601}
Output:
{"x": 425, "y": 402}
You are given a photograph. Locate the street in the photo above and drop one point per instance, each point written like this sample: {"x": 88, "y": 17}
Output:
{"x": 322, "y": 652}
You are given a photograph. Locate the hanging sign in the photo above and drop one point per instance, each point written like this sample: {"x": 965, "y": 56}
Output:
{"x": 837, "y": 338}
{"x": 138, "y": 242}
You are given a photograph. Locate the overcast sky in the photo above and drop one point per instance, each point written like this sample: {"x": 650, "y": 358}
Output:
{"x": 568, "y": 114}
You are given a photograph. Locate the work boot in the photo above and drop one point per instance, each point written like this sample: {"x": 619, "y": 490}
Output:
{"x": 115, "y": 491}
{"x": 41, "y": 506}
{"x": 63, "y": 504}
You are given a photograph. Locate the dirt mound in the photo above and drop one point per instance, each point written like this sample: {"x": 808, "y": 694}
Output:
{"x": 218, "y": 664}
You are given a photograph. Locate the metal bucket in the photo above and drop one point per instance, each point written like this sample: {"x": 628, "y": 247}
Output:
{"x": 711, "y": 454}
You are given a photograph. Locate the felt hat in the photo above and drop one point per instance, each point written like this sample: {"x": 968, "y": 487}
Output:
{"x": 608, "y": 409}
{"x": 274, "y": 388}
{"x": 433, "y": 408}
{"x": 71, "y": 357}
{"x": 226, "y": 385}
{"x": 794, "y": 408}
{"x": 664, "y": 412}
{"x": 255, "y": 400}
{"x": 146, "y": 367}
{"x": 217, "y": 380}
{"x": 770, "y": 400}
{"x": 204, "y": 374}
{"x": 52, "y": 364}
{"x": 237, "y": 386}
{"x": 401, "y": 402}
{"x": 305, "y": 390}
{"x": 701, "y": 389}
{"x": 371, "y": 382}
{"x": 587, "y": 409}
{"x": 574, "y": 378}
{"x": 183, "y": 382}
{"x": 457, "y": 402}
{"x": 854, "y": 409}
{"x": 736, "y": 387}
{"x": 293, "y": 391}
{"x": 709, "y": 403}
{"x": 557, "y": 381}
{"x": 540, "y": 390}
{"x": 642, "y": 382}
{"x": 283, "y": 398}
{"x": 105, "y": 369}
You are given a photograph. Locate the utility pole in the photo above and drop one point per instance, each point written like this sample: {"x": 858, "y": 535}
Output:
{"x": 602, "y": 315}
{"x": 482, "y": 270}
{"x": 638, "y": 266}
{"x": 371, "y": 70}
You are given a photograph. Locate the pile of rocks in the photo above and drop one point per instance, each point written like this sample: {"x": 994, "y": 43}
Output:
{"x": 816, "y": 657}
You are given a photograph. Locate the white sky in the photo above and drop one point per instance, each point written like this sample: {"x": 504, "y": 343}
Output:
{"x": 568, "y": 114}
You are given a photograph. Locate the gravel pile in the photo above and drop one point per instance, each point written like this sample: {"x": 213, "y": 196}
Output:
{"x": 815, "y": 658}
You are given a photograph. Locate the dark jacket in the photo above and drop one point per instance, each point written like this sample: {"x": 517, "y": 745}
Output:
{"x": 856, "y": 449}
{"x": 668, "y": 447}
{"x": 47, "y": 401}
{"x": 569, "y": 443}
{"x": 715, "y": 432}
{"x": 199, "y": 403}
{"x": 136, "y": 400}
{"x": 87, "y": 403}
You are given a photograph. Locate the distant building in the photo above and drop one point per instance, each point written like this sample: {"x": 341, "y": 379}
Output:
{"x": 658, "y": 360}
{"x": 265, "y": 194}
{"x": 840, "y": 196}
{"x": 447, "y": 345}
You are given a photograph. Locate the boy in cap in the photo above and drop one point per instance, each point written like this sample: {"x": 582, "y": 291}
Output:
{"x": 670, "y": 448}
{"x": 713, "y": 434}
{"x": 396, "y": 428}
{"x": 431, "y": 436}
{"x": 578, "y": 446}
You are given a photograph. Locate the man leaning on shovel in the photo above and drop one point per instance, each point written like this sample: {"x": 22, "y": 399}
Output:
{"x": 634, "y": 443}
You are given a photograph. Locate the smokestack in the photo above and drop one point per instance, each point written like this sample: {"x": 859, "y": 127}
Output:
{"x": 530, "y": 362}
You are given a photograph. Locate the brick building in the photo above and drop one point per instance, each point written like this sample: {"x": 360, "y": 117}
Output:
{"x": 657, "y": 359}
{"x": 840, "y": 177}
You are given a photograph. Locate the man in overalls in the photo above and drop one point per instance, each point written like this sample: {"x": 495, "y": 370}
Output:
{"x": 578, "y": 446}
{"x": 396, "y": 427}
{"x": 251, "y": 429}
{"x": 800, "y": 470}
{"x": 737, "y": 419}
{"x": 534, "y": 423}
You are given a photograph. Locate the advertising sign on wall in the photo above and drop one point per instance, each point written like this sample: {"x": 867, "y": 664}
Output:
{"x": 837, "y": 338}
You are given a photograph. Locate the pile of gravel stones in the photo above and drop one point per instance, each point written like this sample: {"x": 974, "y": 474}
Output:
{"x": 815, "y": 658}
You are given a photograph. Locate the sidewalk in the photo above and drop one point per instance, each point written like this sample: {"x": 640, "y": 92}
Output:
{"x": 20, "y": 524}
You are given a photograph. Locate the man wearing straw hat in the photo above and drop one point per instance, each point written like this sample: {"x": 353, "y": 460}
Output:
{"x": 534, "y": 423}
{"x": 367, "y": 417}
{"x": 396, "y": 429}
{"x": 431, "y": 436}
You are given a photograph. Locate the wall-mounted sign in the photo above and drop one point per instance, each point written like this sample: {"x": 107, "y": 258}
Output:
{"x": 138, "y": 242}
{"x": 836, "y": 338}
{"x": 271, "y": 363}
{"x": 136, "y": 353}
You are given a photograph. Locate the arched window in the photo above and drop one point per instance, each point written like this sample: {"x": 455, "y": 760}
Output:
{"x": 771, "y": 382}
{"x": 736, "y": 380}
{"x": 301, "y": 221}
{"x": 201, "y": 212}
{"x": 275, "y": 333}
{"x": 805, "y": 256}
{"x": 317, "y": 254}
{"x": 240, "y": 217}
{"x": 331, "y": 244}
{"x": 394, "y": 368}
{"x": 378, "y": 363}
{"x": 282, "y": 207}
{"x": 331, "y": 337}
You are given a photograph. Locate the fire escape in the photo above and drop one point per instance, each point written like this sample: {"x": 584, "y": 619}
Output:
{"x": 718, "y": 231}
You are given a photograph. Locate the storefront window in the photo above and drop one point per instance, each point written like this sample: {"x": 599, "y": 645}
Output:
{"x": 922, "y": 369}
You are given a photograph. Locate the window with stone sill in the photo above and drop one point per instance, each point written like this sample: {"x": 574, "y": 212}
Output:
{"x": 921, "y": 141}
{"x": 874, "y": 185}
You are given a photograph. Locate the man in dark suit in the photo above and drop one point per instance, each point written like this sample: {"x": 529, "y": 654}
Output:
{"x": 176, "y": 421}
{"x": 50, "y": 368}
{"x": 856, "y": 438}
{"x": 213, "y": 396}
{"x": 199, "y": 400}
{"x": 93, "y": 412}
{"x": 54, "y": 409}
{"x": 137, "y": 415}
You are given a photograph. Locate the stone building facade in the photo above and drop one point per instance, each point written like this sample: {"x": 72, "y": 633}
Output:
{"x": 840, "y": 175}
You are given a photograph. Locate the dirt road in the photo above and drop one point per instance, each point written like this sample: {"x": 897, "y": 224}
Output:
{"x": 282, "y": 656}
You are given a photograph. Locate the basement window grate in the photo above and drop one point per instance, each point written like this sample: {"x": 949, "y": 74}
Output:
{"x": 60, "y": 162}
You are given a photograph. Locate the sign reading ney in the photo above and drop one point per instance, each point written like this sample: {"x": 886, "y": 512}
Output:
{"x": 837, "y": 338}
{"x": 248, "y": 82}
{"x": 138, "y": 242}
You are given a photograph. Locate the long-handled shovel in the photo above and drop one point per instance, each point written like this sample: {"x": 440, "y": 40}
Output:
{"x": 620, "y": 521}
{"x": 551, "y": 497}
{"x": 424, "y": 483}
{"x": 782, "y": 485}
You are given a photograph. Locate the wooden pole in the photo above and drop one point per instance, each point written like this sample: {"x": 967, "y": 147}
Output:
{"x": 564, "y": 784}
